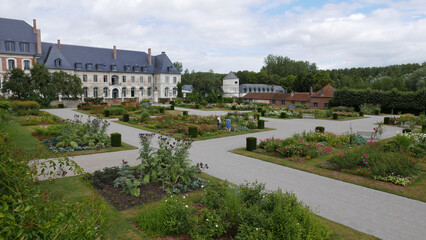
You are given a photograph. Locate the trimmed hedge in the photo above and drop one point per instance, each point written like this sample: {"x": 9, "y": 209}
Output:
{"x": 115, "y": 139}
{"x": 115, "y": 111}
{"x": 162, "y": 109}
{"x": 386, "y": 120}
{"x": 407, "y": 130}
{"x": 259, "y": 109}
{"x": 197, "y": 106}
{"x": 376, "y": 112}
{"x": 126, "y": 117}
{"x": 192, "y": 131}
{"x": 261, "y": 124}
{"x": 263, "y": 112}
{"x": 361, "y": 113}
{"x": 320, "y": 129}
{"x": 335, "y": 116}
{"x": 25, "y": 105}
{"x": 106, "y": 113}
{"x": 172, "y": 107}
{"x": 185, "y": 113}
{"x": 61, "y": 105}
{"x": 251, "y": 143}
{"x": 233, "y": 107}
{"x": 283, "y": 115}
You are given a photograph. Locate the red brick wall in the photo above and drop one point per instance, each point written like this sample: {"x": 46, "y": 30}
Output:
{"x": 320, "y": 101}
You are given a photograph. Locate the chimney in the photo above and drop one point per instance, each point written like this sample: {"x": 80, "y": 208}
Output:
{"x": 35, "y": 25}
{"x": 149, "y": 56}
{"x": 38, "y": 34}
{"x": 310, "y": 91}
{"x": 59, "y": 44}
{"x": 114, "y": 52}
{"x": 163, "y": 52}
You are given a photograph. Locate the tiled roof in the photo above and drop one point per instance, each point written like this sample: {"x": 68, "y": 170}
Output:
{"x": 230, "y": 75}
{"x": 17, "y": 31}
{"x": 325, "y": 92}
{"x": 259, "y": 88}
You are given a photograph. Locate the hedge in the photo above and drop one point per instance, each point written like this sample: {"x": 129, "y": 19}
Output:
{"x": 25, "y": 105}
{"x": 115, "y": 111}
{"x": 61, "y": 105}
{"x": 386, "y": 120}
{"x": 106, "y": 113}
{"x": 424, "y": 128}
{"x": 320, "y": 129}
{"x": 185, "y": 113}
{"x": 251, "y": 143}
{"x": 172, "y": 107}
{"x": 407, "y": 130}
{"x": 407, "y": 101}
{"x": 192, "y": 131}
{"x": 126, "y": 117}
{"x": 261, "y": 124}
{"x": 335, "y": 116}
{"x": 115, "y": 139}
{"x": 361, "y": 113}
{"x": 283, "y": 115}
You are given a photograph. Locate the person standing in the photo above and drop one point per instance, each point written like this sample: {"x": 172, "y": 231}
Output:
{"x": 228, "y": 125}
{"x": 218, "y": 122}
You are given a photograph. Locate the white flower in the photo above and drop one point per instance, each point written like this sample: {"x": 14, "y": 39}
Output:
{"x": 183, "y": 197}
{"x": 186, "y": 206}
{"x": 207, "y": 219}
{"x": 257, "y": 229}
{"x": 217, "y": 225}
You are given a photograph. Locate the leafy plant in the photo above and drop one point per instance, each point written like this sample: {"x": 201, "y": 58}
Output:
{"x": 127, "y": 181}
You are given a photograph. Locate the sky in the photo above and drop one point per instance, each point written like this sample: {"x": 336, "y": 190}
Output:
{"x": 233, "y": 35}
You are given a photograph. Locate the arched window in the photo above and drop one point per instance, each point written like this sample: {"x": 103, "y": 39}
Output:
{"x": 166, "y": 92}
{"x": 105, "y": 92}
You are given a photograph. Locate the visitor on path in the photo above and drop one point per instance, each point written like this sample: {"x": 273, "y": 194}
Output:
{"x": 228, "y": 125}
{"x": 218, "y": 123}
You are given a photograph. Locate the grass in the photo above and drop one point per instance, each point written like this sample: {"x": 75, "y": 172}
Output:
{"x": 415, "y": 190}
{"x": 21, "y": 136}
{"x": 178, "y": 135}
{"x": 121, "y": 224}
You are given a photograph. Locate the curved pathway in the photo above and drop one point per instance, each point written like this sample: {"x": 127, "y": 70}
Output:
{"x": 381, "y": 214}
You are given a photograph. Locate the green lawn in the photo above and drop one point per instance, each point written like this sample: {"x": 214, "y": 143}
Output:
{"x": 121, "y": 222}
{"x": 415, "y": 190}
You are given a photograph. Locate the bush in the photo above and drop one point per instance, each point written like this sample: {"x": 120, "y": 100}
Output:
{"x": 376, "y": 111}
{"x": 162, "y": 109}
{"x": 197, "y": 106}
{"x": 424, "y": 128}
{"x": 233, "y": 107}
{"x": 126, "y": 117}
{"x": 145, "y": 116}
{"x": 251, "y": 143}
{"x": 61, "y": 105}
{"x": 361, "y": 113}
{"x": 115, "y": 139}
{"x": 185, "y": 113}
{"x": 283, "y": 115}
{"x": 320, "y": 129}
{"x": 329, "y": 113}
{"x": 172, "y": 107}
{"x": 106, "y": 113}
{"x": 386, "y": 120}
{"x": 259, "y": 109}
{"x": 263, "y": 112}
{"x": 261, "y": 124}
{"x": 407, "y": 130}
{"x": 192, "y": 131}
{"x": 335, "y": 116}
{"x": 115, "y": 111}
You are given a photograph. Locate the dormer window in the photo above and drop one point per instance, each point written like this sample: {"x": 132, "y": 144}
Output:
{"x": 144, "y": 69}
{"x": 25, "y": 47}
{"x": 99, "y": 67}
{"x": 136, "y": 69}
{"x": 10, "y": 46}
{"x": 170, "y": 69}
{"x": 113, "y": 67}
{"x": 89, "y": 66}
{"x": 78, "y": 66}
{"x": 127, "y": 68}
{"x": 58, "y": 62}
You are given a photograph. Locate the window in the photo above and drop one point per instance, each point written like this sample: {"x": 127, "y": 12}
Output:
{"x": 27, "y": 64}
{"x": 166, "y": 92}
{"x": 124, "y": 78}
{"x": 141, "y": 91}
{"x": 273, "y": 102}
{"x": 84, "y": 78}
{"x": 99, "y": 67}
{"x": 113, "y": 67}
{"x": 11, "y": 64}
{"x": 282, "y": 102}
{"x": 144, "y": 69}
{"x": 167, "y": 79}
{"x": 136, "y": 69}
{"x": 95, "y": 92}
{"x": 174, "y": 79}
{"x": 10, "y": 46}
{"x": 105, "y": 92}
{"x": 89, "y": 66}
{"x": 315, "y": 104}
{"x": 123, "y": 93}
{"x": 85, "y": 92}
{"x": 149, "y": 92}
{"x": 170, "y": 69}
{"x": 105, "y": 78}
{"x": 58, "y": 62}
{"x": 127, "y": 68}
{"x": 95, "y": 78}
{"x": 78, "y": 66}
{"x": 141, "y": 79}
{"x": 293, "y": 102}
{"x": 133, "y": 79}
{"x": 326, "y": 105}
{"x": 25, "y": 47}
{"x": 132, "y": 92}
{"x": 149, "y": 79}
{"x": 174, "y": 91}
{"x": 236, "y": 82}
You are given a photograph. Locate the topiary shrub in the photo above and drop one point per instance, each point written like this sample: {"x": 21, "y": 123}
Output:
{"x": 106, "y": 113}
{"x": 259, "y": 109}
{"x": 115, "y": 139}
{"x": 145, "y": 116}
{"x": 376, "y": 111}
{"x": 233, "y": 107}
{"x": 126, "y": 117}
{"x": 320, "y": 129}
{"x": 197, "y": 106}
{"x": 192, "y": 131}
{"x": 172, "y": 107}
{"x": 386, "y": 120}
{"x": 263, "y": 112}
{"x": 257, "y": 116}
{"x": 261, "y": 124}
{"x": 61, "y": 105}
{"x": 251, "y": 143}
{"x": 172, "y": 103}
{"x": 162, "y": 110}
{"x": 283, "y": 115}
{"x": 361, "y": 113}
{"x": 185, "y": 113}
{"x": 335, "y": 116}
{"x": 407, "y": 130}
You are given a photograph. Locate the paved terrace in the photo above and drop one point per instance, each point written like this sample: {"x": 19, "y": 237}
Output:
{"x": 381, "y": 214}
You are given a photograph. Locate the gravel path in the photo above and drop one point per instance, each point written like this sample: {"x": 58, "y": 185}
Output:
{"x": 381, "y": 214}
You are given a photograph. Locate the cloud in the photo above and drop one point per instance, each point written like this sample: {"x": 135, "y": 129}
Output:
{"x": 237, "y": 35}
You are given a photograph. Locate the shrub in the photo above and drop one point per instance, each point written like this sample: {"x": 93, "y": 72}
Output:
{"x": 192, "y": 131}
{"x": 261, "y": 124}
{"x": 361, "y": 113}
{"x": 251, "y": 143}
{"x": 162, "y": 109}
{"x": 320, "y": 129}
{"x": 386, "y": 120}
{"x": 115, "y": 139}
{"x": 335, "y": 116}
{"x": 115, "y": 111}
{"x": 197, "y": 106}
{"x": 172, "y": 103}
{"x": 259, "y": 109}
{"x": 424, "y": 128}
{"x": 283, "y": 115}
{"x": 144, "y": 116}
{"x": 407, "y": 130}
{"x": 376, "y": 111}
{"x": 234, "y": 107}
{"x": 172, "y": 107}
{"x": 106, "y": 112}
{"x": 185, "y": 113}
{"x": 126, "y": 117}
{"x": 61, "y": 105}
{"x": 263, "y": 112}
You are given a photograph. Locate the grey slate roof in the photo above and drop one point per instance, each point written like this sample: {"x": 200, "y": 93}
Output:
{"x": 17, "y": 31}
{"x": 72, "y": 54}
{"x": 230, "y": 75}
{"x": 261, "y": 88}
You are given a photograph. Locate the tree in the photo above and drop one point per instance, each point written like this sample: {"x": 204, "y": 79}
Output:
{"x": 43, "y": 83}
{"x": 303, "y": 82}
{"x": 178, "y": 66}
{"x": 179, "y": 89}
{"x": 284, "y": 66}
{"x": 68, "y": 85}
{"x": 322, "y": 78}
{"x": 19, "y": 84}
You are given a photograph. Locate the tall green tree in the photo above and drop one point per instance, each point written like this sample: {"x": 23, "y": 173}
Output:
{"x": 43, "y": 83}
{"x": 68, "y": 85}
{"x": 20, "y": 84}
{"x": 284, "y": 66}
{"x": 178, "y": 66}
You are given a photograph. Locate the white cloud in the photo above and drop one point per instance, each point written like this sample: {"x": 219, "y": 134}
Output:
{"x": 237, "y": 35}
